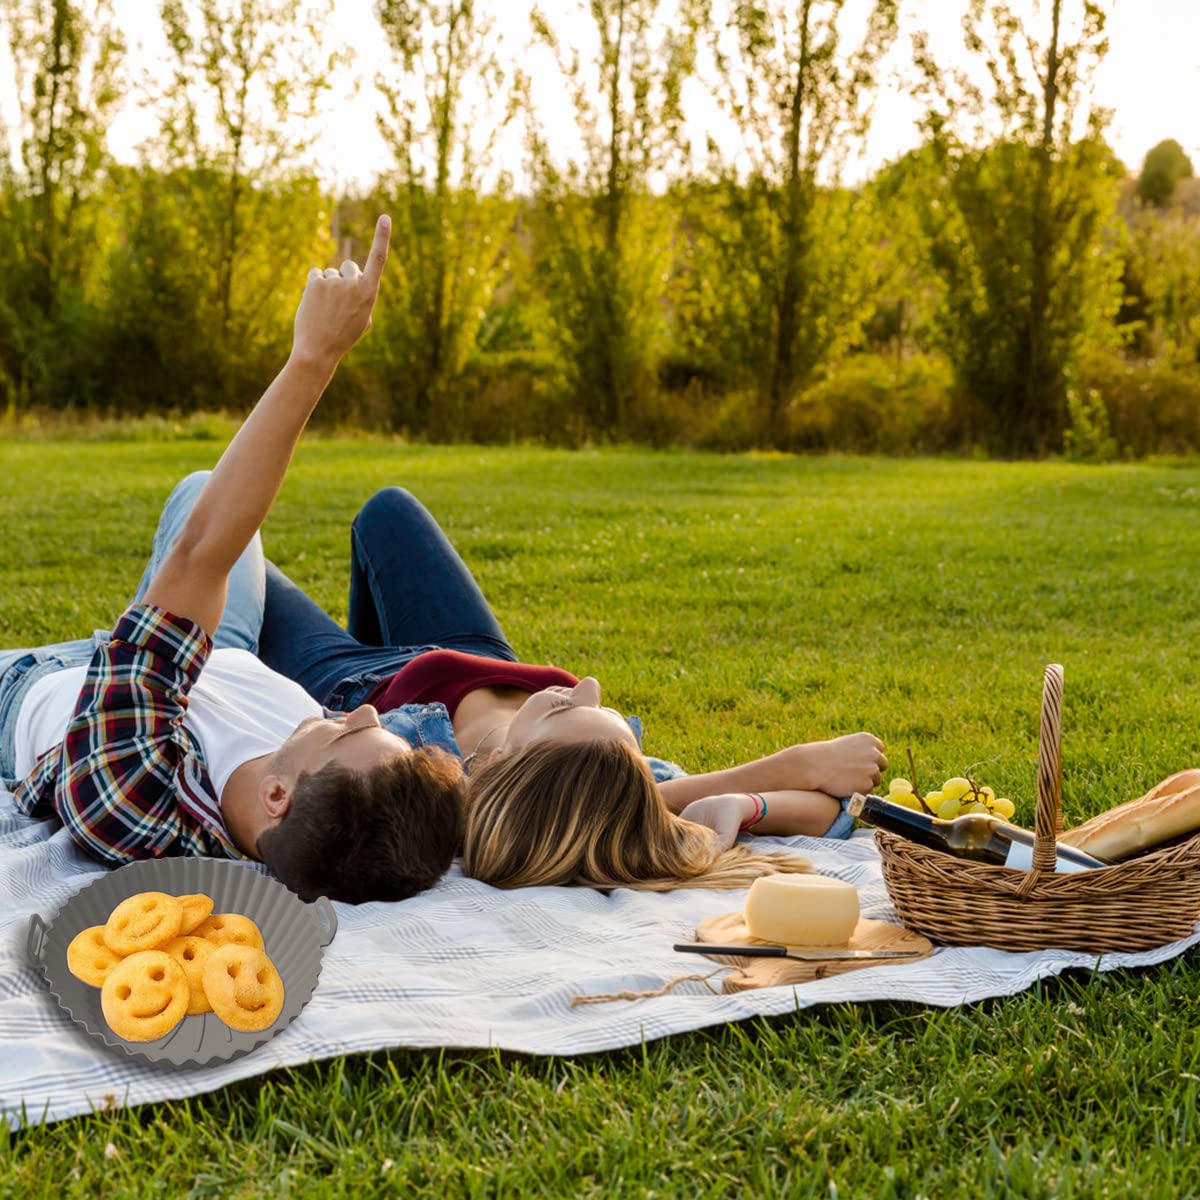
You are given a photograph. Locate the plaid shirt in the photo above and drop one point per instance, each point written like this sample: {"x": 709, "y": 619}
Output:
{"x": 129, "y": 781}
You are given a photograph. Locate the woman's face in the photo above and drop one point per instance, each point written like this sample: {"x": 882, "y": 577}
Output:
{"x": 563, "y": 714}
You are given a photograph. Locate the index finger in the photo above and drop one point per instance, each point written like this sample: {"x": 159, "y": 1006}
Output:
{"x": 379, "y": 251}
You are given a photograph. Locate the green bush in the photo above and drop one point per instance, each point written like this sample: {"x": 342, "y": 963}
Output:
{"x": 508, "y": 396}
{"x": 1153, "y": 407}
{"x": 871, "y": 404}
{"x": 89, "y": 425}
{"x": 1088, "y": 435}
{"x": 866, "y": 404}
{"x": 728, "y": 422}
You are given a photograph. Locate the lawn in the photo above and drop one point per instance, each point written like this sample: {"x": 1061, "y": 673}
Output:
{"x": 737, "y": 604}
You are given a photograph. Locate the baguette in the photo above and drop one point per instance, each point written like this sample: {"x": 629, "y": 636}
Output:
{"x": 1166, "y": 811}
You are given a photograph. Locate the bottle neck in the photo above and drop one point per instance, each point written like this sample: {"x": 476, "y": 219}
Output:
{"x": 883, "y": 814}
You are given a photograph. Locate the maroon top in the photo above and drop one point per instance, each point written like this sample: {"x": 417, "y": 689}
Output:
{"x": 446, "y": 676}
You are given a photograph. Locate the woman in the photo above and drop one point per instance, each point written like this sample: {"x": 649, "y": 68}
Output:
{"x": 560, "y": 791}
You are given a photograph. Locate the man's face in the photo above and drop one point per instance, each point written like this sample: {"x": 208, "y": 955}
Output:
{"x": 355, "y": 741}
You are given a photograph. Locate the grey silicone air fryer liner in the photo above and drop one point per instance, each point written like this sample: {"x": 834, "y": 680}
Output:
{"x": 295, "y": 933}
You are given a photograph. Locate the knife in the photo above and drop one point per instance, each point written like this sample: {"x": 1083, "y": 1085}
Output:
{"x": 822, "y": 955}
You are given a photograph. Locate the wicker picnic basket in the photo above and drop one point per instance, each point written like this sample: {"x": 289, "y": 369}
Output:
{"x": 1134, "y": 905}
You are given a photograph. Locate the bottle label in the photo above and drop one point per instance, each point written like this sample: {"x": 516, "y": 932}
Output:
{"x": 1020, "y": 857}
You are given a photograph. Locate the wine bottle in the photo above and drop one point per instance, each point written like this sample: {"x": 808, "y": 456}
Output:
{"x": 974, "y": 835}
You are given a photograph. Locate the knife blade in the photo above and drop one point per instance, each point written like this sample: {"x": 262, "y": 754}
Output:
{"x": 832, "y": 954}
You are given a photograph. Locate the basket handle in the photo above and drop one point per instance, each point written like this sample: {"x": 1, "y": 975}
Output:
{"x": 1048, "y": 819}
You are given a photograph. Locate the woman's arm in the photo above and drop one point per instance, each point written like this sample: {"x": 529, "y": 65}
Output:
{"x": 334, "y": 312}
{"x": 810, "y": 813}
{"x": 788, "y": 812}
{"x": 838, "y": 767}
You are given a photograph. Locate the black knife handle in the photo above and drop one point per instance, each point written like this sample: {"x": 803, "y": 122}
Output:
{"x": 742, "y": 951}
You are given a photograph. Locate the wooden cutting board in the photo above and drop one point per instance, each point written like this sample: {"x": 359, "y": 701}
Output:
{"x": 729, "y": 929}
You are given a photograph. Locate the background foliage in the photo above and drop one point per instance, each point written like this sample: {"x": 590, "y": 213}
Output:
{"x": 1008, "y": 287}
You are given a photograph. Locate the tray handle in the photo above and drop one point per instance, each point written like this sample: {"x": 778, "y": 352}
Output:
{"x": 1048, "y": 819}
{"x": 326, "y": 918}
{"x": 35, "y": 940}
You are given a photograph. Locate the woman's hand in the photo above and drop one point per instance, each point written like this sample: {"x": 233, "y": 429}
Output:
{"x": 724, "y": 815}
{"x": 838, "y": 768}
{"x": 845, "y": 765}
{"x": 335, "y": 310}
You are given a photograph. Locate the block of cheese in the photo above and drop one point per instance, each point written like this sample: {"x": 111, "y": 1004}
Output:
{"x": 802, "y": 910}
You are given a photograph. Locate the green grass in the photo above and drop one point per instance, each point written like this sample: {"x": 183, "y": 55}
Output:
{"x": 737, "y": 604}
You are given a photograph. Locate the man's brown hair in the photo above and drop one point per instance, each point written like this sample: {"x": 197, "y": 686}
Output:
{"x": 383, "y": 834}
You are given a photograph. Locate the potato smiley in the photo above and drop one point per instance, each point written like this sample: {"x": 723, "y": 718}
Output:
{"x": 147, "y": 921}
{"x": 196, "y": 908}
{"x": 191, "y": 953}
{"x": 89, "y": 957}
{"x": 145, "y": 996}
{"x": 222, "y": 929}
{"x": 243, "y": 987}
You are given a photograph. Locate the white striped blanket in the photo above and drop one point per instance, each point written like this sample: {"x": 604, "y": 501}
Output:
{"x": 463, "y": 965}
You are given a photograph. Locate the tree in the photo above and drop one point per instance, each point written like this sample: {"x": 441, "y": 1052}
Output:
{"x": 222, "y": 211}
{"x": 907, "y": 298}
{"x": 444, "y": 115}
{"x": 1016, "y": 226}
{"x": 67, "y": 61}
{"x": 1164, "y": 258}
{"x": 603, "y": 243}
{"x": 1164, "y": 166}
{"x": 789, "y": 254}
{"x": 185, "y": 336}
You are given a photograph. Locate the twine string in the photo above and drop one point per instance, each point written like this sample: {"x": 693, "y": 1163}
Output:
{"x": 603, "y": 997}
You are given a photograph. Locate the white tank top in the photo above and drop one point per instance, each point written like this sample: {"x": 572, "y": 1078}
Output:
{"x": 237, "y": 710}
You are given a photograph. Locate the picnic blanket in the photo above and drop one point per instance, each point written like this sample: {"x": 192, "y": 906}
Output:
{"x": 463, "y": 965}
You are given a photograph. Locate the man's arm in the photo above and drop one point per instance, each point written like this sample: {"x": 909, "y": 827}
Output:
{"x": 334, "y": 312}
{"x": 117, "y": 780}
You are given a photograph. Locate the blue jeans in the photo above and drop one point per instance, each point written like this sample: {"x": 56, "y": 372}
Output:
{"x": 240, "y": 623}
{"x": 409, "y": 592}
{"x": 247, "y": 588}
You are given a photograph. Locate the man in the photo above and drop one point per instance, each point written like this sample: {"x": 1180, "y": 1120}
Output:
{"x": 169, "y": 737}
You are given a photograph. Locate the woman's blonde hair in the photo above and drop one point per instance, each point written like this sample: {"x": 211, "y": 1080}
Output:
{"x": 590, "y": 813}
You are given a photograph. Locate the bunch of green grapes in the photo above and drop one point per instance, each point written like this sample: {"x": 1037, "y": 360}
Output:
{"x": 955, "y": 798}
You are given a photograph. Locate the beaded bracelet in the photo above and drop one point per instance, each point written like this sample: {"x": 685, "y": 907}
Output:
{"x": 760, "y": 810}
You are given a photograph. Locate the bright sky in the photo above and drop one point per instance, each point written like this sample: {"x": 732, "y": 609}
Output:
{"x": 1150, "y": 79}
